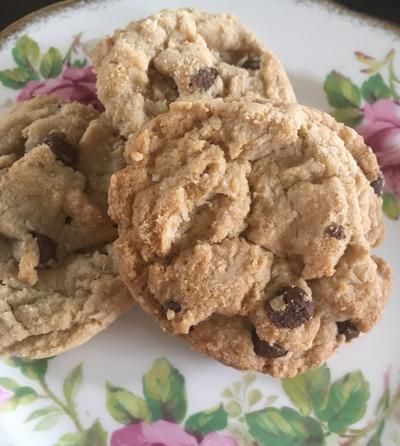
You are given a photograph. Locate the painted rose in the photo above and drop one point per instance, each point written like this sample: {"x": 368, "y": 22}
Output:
{"x": 381, "y": 130}
{"x": 5, "y": 395}
{"x": 164, "y": 433}
{"x": 75, "y": 84}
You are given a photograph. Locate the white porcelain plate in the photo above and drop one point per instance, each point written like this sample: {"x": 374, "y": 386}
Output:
{"x": 133, "y": 385}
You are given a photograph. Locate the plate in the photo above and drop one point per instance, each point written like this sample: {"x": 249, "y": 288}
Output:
{"x": 133, "y": 385}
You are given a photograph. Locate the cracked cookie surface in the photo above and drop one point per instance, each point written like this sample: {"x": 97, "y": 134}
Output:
{"x": 182, "y": 54}
{"x": 58, "y": 282}
{"x": 247, "y": 228}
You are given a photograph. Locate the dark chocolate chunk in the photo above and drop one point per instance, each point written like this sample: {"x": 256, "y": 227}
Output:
{"x": 62, "y": 149}
{"x": 205, "y": 78}
{"x": 252, "y": 63}
{"x": 174, "y": 306}
{"x": 265, "y": 349}
{"x": 290, "y": 308}
{"x": 336, "y": 231}
{"x": 348, "y": 329}
{"x": 378, "y": 185}
{"x": 47, "y": 248}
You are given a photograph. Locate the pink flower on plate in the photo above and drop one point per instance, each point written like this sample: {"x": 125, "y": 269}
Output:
{"x": 5, "y": 395}
{"x": 164, "y": 433}
{"x": 75, "y": 84}
{"x": 216, "y": 439}
{"x": 381, "y": 130}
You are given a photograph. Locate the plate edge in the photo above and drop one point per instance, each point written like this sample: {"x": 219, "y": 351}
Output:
{"x": 46, "y": 11}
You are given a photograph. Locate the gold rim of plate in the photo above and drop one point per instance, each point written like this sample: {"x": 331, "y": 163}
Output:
{"x": 49, "y": 10}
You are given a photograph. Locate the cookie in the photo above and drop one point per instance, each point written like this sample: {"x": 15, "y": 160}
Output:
{"x": 58, "y": 280}
{"x": 247, "y": 228}
{"x": 182, "y": 54}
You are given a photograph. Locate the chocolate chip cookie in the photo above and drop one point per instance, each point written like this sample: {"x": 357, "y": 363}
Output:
{"x": 58, "y": 282}
{"x": 247, "y": 228}
{"x": 182, "y": 54}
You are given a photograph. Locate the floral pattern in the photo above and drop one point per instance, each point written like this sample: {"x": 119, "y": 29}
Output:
{"x": 373, "y": 109}
{"x": 381, "y": 130}
{"x": 66, "y": 76}
{"x": 38, "y": 390}
{"x": 166, "y": 433}
{"x": 322, "y": 411}
{"x": 75, "y": 84}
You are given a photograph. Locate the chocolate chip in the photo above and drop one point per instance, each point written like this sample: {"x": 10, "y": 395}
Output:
{"x": 348, "y": 329}
{"x": 265, "y": 349}
{"x": 336, "y": 231}
{"x": 62, "y": 149}
{"x": 68, "y": 220}
{"x": 174, "y": 306}
{"x": 205, "y": 78}
{"x": 47, "y": 248}
{"x": 290, "y": 308}
{"x": 378, "y": 185}
{"x": 252, "y": 63}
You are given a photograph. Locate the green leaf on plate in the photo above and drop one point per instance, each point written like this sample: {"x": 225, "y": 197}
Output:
{"x": 73, "y": 439}
{"x": 233, "y": 408}
{"x": 9, "y": 405}
{"x": 284, "y": 427}
{"x": 347, "y": 402}
{"x": 42, "y": 412}
{"x": 375, "y": 439}
{"x": 26, "y": 52}
{"x": 271, "y": 400}
{"x": 341, "y": 92}
{"x": 71, "y": 386}
{"x": 375, "y": 88}
{"x": 16, "y": 78}
{"x": 254, "y": 397}
{"x": 80, "y": 63}
{"x": 391, "y": 206}
{"x": 48, "y": 422}
{"x": 211, "y": 420}
{"x": 249, "y": 378}
{"x": 237, "y": 388}
{"x": 126, "y": 407}
{"x": 384, "y": 402}
{"x": 33, "y": 369}
{"x": 350, "y": 116}
{"x": 94, "y": 436}
{"x": 25, "y": 395}
{"x": 51, "y": 64}
{"x": 227, "y": 393}
{"x": 310, "y": 390}
{"x": 165, "y": 391}
{"x": 9, "y": 384}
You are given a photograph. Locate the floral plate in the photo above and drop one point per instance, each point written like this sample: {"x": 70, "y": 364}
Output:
{"x": 135, "y": 386}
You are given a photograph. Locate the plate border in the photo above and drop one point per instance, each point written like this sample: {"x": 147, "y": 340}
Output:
{"x": 46, "y": 11}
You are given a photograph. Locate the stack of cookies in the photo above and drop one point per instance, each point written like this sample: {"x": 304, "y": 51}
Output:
{"x": 243, "y": 222}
